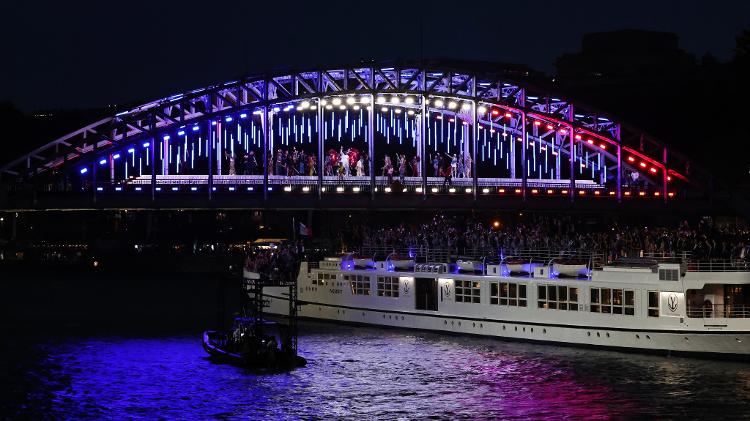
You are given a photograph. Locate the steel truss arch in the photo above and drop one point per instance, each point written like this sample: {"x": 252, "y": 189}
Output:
{"x": 253, "y": 93}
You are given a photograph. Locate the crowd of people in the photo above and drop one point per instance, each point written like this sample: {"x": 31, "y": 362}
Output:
{"x": 278, "y": 261}
{"x": 704, "y": 239}
{"x": 346, "y": 163}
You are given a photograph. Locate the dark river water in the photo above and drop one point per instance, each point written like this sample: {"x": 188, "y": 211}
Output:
{"x": 361, "y": 373}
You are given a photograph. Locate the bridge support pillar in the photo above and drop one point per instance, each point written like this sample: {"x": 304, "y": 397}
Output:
{"x": 524, "y": 178}
{"x": 524, "y": 140}
{"x": 619, "y": 173}
{"x": 664, "y": 179}
{"x": 474, "y": 141}
{"x": 320, "y": 160}
{"x": 423, "y": 121}
{"x": 152, "y": 152}
{"x": 266, "y": 145}
{"x": 210, "y": 154}
{"x": 371, "y": 142}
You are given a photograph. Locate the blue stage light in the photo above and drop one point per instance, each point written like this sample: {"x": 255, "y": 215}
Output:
{"x": 181, "y": 133}
{"x": 146, "y": 144}
{"x": 196, "y": 128}
{"x": 102, "y": 161}
{"x": 166, "y": 137}
{"x": 116, "y": 156}
{"x": 84, "y": 170}
{"x": 100, "y": 189}
{"x": 131, "y": 150}
{"x": 228, "y": 119}
{"x": 243, "y": 115}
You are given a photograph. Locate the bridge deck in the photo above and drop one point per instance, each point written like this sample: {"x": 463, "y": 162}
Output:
{"x": 360, "y": 181}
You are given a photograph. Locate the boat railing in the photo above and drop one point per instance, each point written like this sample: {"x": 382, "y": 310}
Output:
{"x": 482, "y": 254}
{"x": 719, "y": 311}
{"x": 717, "y": 265}
{"x": 597, "y": 259}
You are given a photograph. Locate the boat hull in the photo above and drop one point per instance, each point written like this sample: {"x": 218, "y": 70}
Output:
{"x": 572, "y": 271}
{"x": 403, "y": 264}
{"x": 697, "y": 343}
{"x": 363, "y": 262}
{"x": 523, "y": 267}
{"x": 469, "y": 265}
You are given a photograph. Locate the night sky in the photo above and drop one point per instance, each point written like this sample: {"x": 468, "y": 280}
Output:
{"x": 70, "y": 55}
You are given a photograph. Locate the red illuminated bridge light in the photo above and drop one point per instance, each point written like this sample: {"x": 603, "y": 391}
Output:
{"x": 590, "y": 141}
{"x": 643, "y": 164}
{"x": 495, "y": 112}
{"x": 508, "y": 115}
{"x": 537, "y": 123}
{"x": 631, "y": 159}
{"x": 653, "y": 170}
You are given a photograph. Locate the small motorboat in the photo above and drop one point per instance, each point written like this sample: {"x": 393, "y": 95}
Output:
{"x": 521, "y": 264}
{"x": 469, "y": 265}
{"x": 248, "y": 345}
{"x": 401, "y": 262}
{"x": 571, "y": 267}
{"x": 361, "y": 261}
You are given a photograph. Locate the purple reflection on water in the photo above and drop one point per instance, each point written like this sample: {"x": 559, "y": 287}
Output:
{"x": 369, "y": 373}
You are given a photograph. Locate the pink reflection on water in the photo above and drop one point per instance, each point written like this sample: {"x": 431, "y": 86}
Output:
{"x": 515, "y": 386}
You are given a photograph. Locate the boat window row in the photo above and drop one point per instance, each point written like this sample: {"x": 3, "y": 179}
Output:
{"x": 613, "y": 301}
{"x": 360, "y": 284}
{"x": 323, "y": 278}
{"x": 557, "y": 297}
{"x": 508, "y": 294}
{"x": 468, "y": 292}
{"x": 387, "y": 286}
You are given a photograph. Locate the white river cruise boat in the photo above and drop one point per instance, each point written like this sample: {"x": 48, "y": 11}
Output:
{"x": 669, "y": 306}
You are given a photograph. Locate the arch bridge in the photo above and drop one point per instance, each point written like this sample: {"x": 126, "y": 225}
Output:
{"x": 367, "y": 132}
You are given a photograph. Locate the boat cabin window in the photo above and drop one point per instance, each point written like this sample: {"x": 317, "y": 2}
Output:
{"x": 387, "y": 286}
{"x": 719, "y": 300}
{"x": 613, "y": 301}
{"x": 669, "y": 275}
{"x": 508, "y": 294}
{"x": 653, "y": 304}
{"x": 360, "y": 284}
{"x": 324, "y": 278}
{"x": 557, "y": 297}
{"x": 467, "y": 292}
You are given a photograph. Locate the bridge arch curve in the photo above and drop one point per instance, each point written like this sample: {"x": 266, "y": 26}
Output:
{"x": 492, "y": 134}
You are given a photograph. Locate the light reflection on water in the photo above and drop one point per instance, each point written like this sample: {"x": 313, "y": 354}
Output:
{"x": 357, "y": 372}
